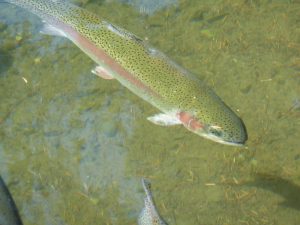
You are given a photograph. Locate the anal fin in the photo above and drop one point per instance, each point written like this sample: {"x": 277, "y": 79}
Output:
{"x": 103, "y": 73}
{"x": 52, "y": 30}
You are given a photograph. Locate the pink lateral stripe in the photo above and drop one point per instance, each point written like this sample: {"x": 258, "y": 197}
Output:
{"x": 100, "y": 54}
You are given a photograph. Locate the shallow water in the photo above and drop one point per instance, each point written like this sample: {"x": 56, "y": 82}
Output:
{"x": 74, "y": 147}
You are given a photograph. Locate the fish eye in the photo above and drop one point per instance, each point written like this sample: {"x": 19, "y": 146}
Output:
{"x": 216, "y": 131}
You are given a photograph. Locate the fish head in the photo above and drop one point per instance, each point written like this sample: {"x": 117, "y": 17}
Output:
{"x": 225, "y": 128}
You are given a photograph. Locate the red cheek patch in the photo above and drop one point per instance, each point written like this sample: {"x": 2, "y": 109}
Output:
{"x": 189, "y": 121}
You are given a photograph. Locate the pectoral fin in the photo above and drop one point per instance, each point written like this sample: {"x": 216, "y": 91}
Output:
{"x": 164, "y": 119}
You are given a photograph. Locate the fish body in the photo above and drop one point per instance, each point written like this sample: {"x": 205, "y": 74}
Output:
{"x": 8, "y": 211}
{"x": 177, "y": 93}
{"x": 149, "y": 214}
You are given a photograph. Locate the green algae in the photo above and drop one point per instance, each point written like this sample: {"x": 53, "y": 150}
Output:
{"x": 74, "y": 147}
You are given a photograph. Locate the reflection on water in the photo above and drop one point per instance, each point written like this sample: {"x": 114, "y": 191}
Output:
{"x": 73, "y": 147}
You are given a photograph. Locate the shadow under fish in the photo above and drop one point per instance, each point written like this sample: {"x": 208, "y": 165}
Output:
{"x": 287, "y": 189}
{"x": 8, "y": 211}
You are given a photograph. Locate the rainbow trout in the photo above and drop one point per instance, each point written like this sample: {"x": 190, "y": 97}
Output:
{"x": 180, "y": 96}
{"x": 149, "y": 214}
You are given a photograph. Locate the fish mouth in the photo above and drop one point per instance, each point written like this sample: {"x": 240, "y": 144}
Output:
{"x": 238, "y": 140}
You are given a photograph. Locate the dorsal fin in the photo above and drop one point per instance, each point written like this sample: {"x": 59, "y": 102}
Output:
{"x": 123, "y": 33}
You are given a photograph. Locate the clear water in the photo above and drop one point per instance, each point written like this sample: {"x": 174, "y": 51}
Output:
{"x": 73, "y": 147}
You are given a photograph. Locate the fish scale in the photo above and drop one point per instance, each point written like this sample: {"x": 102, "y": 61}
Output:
{"x": 147, "y": 72}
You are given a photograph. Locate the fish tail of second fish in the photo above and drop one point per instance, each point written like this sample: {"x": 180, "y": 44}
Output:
{"x": 149, "y": 214}
{"x": 146, "y": 186}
